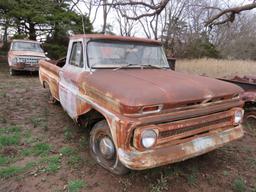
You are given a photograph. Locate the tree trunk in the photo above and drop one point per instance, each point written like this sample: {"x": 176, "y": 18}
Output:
{"x": 5, "y": 37}
{"x": 104, "y": 17}
{"x": 32, "y": 31}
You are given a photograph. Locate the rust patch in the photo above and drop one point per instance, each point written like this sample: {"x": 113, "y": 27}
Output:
{"x": 191, "y": 115}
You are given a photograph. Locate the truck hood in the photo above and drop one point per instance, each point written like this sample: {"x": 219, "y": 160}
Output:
{"x": 146, "y": 87}
{"x": 26, "y": 53}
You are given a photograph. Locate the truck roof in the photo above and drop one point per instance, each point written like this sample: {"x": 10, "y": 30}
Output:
{"x": 116, "y": 38}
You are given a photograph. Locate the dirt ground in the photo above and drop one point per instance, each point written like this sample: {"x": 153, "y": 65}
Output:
{"x": 41, "y": 149}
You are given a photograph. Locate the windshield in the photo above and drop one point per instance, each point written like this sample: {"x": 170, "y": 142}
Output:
{"x": 118, "y": 54}
{"x": 26, "y": 46}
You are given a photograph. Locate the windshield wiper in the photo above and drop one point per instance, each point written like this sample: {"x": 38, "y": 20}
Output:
{"x": 152, "y": 66}
{"x": 125, "y": 66}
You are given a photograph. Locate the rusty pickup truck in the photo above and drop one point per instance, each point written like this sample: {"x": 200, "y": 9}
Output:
{"x": 24, "y": 55}
{"x": 141, "y": 114}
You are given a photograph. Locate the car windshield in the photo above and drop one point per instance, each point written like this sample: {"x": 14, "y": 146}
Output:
{"x": 123, "y": 54}
{"x": 26, "y": 46}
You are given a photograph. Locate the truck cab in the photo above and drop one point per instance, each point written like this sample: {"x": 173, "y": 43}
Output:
{"x": 141, "y": 114}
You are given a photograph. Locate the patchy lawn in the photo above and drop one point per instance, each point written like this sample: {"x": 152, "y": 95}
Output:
{"x": 41, "y": 149}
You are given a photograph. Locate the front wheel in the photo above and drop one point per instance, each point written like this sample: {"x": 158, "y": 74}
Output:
{"x": 103, "y": 149}
{"x": 12, "y": 72}
{"x": 250, "y": 118}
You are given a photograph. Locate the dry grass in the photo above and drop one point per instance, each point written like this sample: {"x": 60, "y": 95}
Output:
{"x": 217, "y": 68}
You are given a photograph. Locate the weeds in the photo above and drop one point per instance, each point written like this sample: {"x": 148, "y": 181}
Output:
{"x": 126, "y": 183}
{"x": 54, "y": 164}
{"x": 9, "y": 136}
{"x": 160, "y": 185}
{"x": 239, "y": 185}
{"x": 3, "y": 120}
{"x": 67, "y": 151}
{"x": 37, "y": 121}
{"x": 75, "y": 161}
{"x": 83, "y": 142}
{"x": 7, "y": 140}
{"x": 216, "y": 67}
{"x": 76, "y": 185}
{"x": 2, "y": 94}
{"x": 4, "y": 160}
{"x": 68, "y": 135}
{"x": 225, "y": 173}
{"x": 8, "y": 130}
{"x": 252, "y": 162}
{"x": 191, "y": 178}
{"x": 40, "y": 149}
{"x": 15, "y": 170}
{"x": 10, "y": 171}
{"x": 174, "y": 170}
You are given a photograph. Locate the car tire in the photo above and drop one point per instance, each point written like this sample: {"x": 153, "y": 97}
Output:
{"x": 250, "y": 117}
{"x": 12, "y": 72}
{"x": 51, "y": 99}
{"x": 105, "y": 155}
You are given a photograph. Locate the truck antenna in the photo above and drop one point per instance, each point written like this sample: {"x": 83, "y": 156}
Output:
{"x": 81, "y": 16}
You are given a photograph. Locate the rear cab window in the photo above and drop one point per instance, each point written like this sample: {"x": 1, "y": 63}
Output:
{"x": 76, "y": 56}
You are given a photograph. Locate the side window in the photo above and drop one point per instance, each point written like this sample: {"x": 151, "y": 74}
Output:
{"x": 76, "y": 57}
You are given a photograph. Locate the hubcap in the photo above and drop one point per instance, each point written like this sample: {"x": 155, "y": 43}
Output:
{"x": 107, "y": 147}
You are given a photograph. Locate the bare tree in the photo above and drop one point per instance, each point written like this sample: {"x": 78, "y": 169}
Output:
{"x": 92, "y": 8}
{"x": 126, "y": 26}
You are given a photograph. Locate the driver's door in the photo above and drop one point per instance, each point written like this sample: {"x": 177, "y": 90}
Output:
{"x": 69, "y": 75}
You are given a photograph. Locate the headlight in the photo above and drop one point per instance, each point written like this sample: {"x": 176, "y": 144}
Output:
{"x": 148, "y": 138}
{"x": 14, "y": 60}
{"x": 238, "y": 116}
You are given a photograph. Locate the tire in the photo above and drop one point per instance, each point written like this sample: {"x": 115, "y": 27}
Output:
{"x": 99, "y": 134}
{"x": 12, "y": 72}
{"x": 51, "y": 99}
{"x": 250, "y": 118}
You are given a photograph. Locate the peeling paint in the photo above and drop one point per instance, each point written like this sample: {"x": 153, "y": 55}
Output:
{"x": 191, "y": 115}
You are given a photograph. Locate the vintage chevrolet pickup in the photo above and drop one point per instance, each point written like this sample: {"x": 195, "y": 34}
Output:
{"x": 140, "y": 113}
{"x": 24, "y": 55}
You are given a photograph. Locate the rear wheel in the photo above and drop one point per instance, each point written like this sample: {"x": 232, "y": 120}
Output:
{"x": 51, "y": 99}
{"x": 103, "y": 149}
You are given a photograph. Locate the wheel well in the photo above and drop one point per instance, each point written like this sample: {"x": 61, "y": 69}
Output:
{"x": 90, "y": 118}
{"x": 250, "y": 106}
{"x": 44, "y": 84}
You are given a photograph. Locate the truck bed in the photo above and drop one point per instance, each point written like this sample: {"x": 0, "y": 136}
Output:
{"x": 49, "y": 75}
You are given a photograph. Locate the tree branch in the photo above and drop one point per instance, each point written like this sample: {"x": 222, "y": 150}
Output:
{"x": 157, "y": 8}
{"x": 230, "y": 13}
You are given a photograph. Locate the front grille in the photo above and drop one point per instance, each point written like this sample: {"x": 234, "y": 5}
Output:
{"x": 181, "y": 129}
{"x": 28, "y": 60}
{"x": 175, "y": 131}
{"x": 193, "y": 127}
